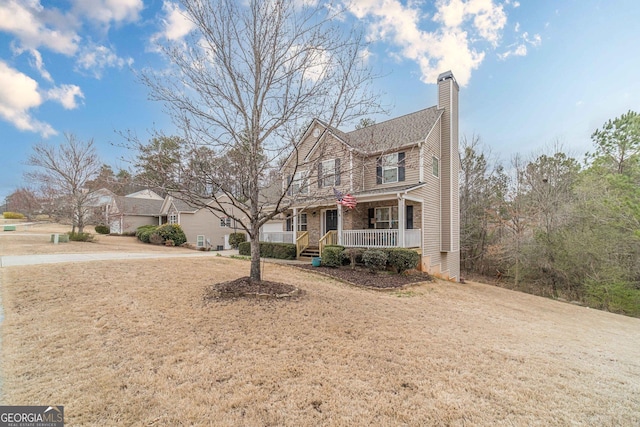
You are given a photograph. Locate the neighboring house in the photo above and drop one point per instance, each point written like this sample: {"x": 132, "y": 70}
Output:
{"x": 145, "y": 194}
{"x": 202, "y": 227}
{"x": 128, "y": 213}
{"x": 403, "y": 174}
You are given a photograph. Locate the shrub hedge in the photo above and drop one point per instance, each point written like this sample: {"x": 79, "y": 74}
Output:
{"x": 102, "y": 229}
{"x": 270, "y": 250}
{"x": 353, "y": 255}
{"x": 172, "y": 232}
{"x": 156, "y": 239}
{"x": 143, "y": 233}
{"x": 80, "y": 237}
{"x": 12, "y": 215}
{"x": 402, "y": 260}
{"x": 375, "y": 259}
{"x": 332, "y": 256}
{"x": 236, "y": 238}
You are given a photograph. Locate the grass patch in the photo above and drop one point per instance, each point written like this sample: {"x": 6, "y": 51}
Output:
{"x": 133, "y": 343}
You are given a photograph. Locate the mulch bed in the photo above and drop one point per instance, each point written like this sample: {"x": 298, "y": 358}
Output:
{"x": 245, "y": 287}
{"x": 363, "y": 277}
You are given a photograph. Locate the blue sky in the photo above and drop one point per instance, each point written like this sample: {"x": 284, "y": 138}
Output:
{"x": 531, "y": 72}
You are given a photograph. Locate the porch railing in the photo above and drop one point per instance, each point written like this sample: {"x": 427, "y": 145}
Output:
{"x": 413, "y": 238}
{"x": 387, "y": 238}
{"x": 277, "y": 236}
{"x": 331, "y": 238}
{"x": 302, "y": 242}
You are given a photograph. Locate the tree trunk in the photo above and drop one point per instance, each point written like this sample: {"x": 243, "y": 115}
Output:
{"x": 254, "y": 273}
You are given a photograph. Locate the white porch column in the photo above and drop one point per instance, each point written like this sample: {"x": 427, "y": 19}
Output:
{"x": 294, "y": 223}
{"x": 402, "y": 223}
{"x": 339, "y": 224}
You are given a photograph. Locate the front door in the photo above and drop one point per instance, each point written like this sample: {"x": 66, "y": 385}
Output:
{"x": 330, "y": 220}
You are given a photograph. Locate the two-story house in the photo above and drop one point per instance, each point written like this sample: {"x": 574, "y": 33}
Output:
{"x": 403, "y": 174}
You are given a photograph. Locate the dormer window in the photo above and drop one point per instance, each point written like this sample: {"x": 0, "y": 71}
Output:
{"x": 329, "y": 173}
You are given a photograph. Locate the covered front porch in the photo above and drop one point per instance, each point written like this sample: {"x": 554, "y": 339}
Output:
{"x": 378, "y": 221}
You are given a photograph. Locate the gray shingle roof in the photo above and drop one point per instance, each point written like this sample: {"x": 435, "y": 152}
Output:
{"x": 137, "y": 206}
{"x": 390, "y": 134}
{"x": 408, "y": 129}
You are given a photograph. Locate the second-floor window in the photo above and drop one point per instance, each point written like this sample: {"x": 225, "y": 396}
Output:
{"x": 435, "y": 164}
{"x": 390, "y": 168}
{"x": 173, "y": 218}
{"x": 300, "y": 183}
{"x": 329, "y": 173}
{"x": 225, "y": 222}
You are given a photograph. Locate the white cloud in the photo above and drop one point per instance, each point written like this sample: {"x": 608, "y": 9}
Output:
{"x": 106, "y": 11}
{"x": 26, "y": 21}
{"x": 39, "y": 65}
{"x": 488, "y": 18}
{"x": 175, "y": 25}
{"x": 66, "y": 95}
{"x": 517, "y": 27}
{"x": 520, "y": 48}
{"x": 19, "y": 94}
{"x": 444, "y": 48}
{"x": 95, "y": 58}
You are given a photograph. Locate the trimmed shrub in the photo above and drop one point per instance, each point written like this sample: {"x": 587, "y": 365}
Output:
{"x": 156, "y": 239}
{"x": 278, "y": 250}
{"x": 102, "y": 229}
{"x": 236, "y": 238}
{"x": 144, "y": 232}
{"x": 375, "y": 259}
{"x": 143, "y": 229}
{"x": 403, "y": 259}
{"x": 332, "y": 256}
{"x": 172, "y": 232}
{"x": 270, "y": 250}
{"x": 353, "y": 255}
{"x": 12, "y": 215}
{"x": 244, "y": 248}
{"x": 80, "y": 237}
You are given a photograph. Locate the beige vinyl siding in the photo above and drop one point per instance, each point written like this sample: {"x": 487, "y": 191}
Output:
{"x": 204, "y": 222}
{"x": 411, "y": 164}
{"x": 445, "y": 92}
{"x": 329, "y": 148}
{"x": 131, "y": 222}
{"x": 431, "y": 195}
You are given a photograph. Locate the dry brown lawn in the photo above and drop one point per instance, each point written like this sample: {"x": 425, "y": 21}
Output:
{"x": 36, "y": 240}
{"x": 133, "y": 343}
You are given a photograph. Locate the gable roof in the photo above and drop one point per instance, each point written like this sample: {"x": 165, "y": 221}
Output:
{"x": 394, "y": 133}
{"x": 389, "y": 135}
{"x": 145, "y": 194}
{"x": 138, "y": 206}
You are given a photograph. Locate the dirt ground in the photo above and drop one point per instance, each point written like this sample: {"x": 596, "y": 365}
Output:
{"x": 135, "y": 343}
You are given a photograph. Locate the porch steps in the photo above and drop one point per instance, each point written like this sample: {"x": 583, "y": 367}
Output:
{"x": 310, "y": 252}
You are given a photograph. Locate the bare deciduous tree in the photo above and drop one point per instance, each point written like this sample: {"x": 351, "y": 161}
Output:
{"x": 245, "y": 83}
{"x": 65, "y": 171}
